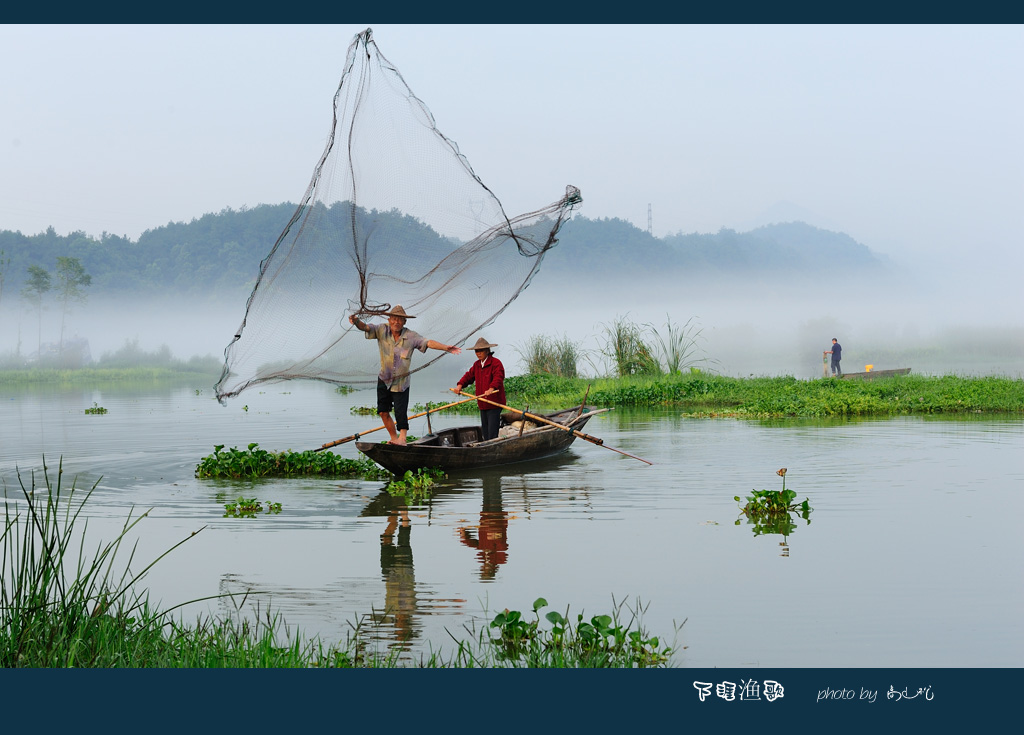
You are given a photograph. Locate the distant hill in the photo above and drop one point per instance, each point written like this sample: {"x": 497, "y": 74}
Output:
{"x": 219, "y": 255}
{"x": 613, "y": 246}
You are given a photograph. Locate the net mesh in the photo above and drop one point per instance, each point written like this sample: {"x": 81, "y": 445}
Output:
{"x": 394, "y": 214}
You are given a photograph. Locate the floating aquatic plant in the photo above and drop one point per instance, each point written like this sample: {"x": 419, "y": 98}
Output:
{"x": 769, "y": 510}
{"x": 248, "y": 508}
{"x": 772, "y": 502}
{"x": 254, "y": 462}
{"x": 416, "y": 485}
{"x": 603, "y": 641}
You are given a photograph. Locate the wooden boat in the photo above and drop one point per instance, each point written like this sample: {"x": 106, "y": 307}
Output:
{"x": 461, "y": 448}
{"x": 875, "y": 374}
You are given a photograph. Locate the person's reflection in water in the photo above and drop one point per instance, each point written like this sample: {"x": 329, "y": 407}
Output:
{"x": 397, "y": 571}
{"x": 491, "y": 540}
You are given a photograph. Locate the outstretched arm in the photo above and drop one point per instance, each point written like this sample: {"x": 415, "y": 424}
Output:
{"x": 357, "y": 323}
{"x": 450, "y": 349}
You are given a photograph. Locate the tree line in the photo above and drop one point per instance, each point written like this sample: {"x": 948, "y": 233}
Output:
{"x": 219, "y": 255}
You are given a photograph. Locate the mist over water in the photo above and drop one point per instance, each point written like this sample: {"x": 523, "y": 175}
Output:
{"x": 743, "y": 326}
{"x": 187, "y": 329}
{"x": 781, "y": 326}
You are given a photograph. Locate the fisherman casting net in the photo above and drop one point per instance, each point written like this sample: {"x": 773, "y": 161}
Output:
{"x": 394, "y": 215}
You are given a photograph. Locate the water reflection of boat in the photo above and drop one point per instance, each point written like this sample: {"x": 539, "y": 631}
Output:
{"x": 460, "y": 448}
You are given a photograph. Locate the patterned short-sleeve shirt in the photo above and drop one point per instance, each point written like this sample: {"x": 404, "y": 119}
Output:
{"x": 395, "y": 355}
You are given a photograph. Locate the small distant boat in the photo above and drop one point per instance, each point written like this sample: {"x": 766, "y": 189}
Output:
{"x": 460, "y": 448}
{"x": 871, "y": 375}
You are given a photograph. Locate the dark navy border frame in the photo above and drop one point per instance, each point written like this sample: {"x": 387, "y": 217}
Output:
{"x": 521, "y": 701}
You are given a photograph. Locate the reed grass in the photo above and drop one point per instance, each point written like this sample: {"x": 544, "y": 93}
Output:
{"x": 626, "y": 346}
{"x": 677, "y": 349}
{"x": 59, "y": 606}
{"x": 542, "y": 354}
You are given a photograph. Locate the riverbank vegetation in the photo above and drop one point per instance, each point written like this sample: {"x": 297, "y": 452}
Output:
{"x": 628, "y": 348}
{"x": 702, "y": 394}
{"x": 58, "y": 611}
{"x": 647, "y": 367}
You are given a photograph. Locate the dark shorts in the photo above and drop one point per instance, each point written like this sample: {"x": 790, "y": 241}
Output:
{"x": 386, "y": 401}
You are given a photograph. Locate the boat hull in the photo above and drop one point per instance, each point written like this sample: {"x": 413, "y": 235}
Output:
{"x": 875, "y": 374}
{"x": 460, "y": 448}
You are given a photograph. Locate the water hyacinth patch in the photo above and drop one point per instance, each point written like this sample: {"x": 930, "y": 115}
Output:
{"x": 248, "y": 508}
{"x": 602, "y": 642}
{"x": 772, "y": 502}
{"x": 255, "y": 462}
{"x": 416, "y": 486}
{"x": 769, "y": 510}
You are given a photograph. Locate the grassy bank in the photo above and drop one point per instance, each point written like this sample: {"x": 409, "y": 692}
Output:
{"x": 130, "y": 363}
{"x": 98, "y": 375}
{"x": 698, "y": 393}
{"x": 61, "y": 607}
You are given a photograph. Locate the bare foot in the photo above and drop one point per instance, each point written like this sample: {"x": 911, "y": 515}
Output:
{"x": 397, "y": 442}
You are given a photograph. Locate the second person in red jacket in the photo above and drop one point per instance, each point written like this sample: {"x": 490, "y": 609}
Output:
{"x": 489, "y": 376}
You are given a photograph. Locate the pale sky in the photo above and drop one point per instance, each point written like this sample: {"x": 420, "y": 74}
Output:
{"x": 908, "y": 138}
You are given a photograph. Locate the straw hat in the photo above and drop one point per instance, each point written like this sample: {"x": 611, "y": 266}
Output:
{"x": 482, "y": 344}
{"x": 400, "y": 312}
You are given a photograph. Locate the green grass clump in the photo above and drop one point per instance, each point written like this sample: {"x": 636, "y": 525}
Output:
{"x": 255, "y": 462}
{"x": 677, "y": 348}
{"x": 542, "y": 354}
{"x": 57, "y": 614}
{"x": 627, "y": 346}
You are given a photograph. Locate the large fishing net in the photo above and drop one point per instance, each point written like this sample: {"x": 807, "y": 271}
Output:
{"x": 394, "y": 215}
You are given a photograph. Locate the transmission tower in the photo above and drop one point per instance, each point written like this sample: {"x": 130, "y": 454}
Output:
{"x": 650, "y": 227}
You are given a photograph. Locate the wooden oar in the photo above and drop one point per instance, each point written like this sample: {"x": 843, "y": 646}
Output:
{"x": 382, "y": 426}
{"x": 541, "y": 419}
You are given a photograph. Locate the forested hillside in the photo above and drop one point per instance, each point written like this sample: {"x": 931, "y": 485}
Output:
{"x": 219, "y": 255}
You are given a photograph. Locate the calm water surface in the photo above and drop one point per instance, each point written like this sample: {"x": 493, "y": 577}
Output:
{"x": 912, "y": 557}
